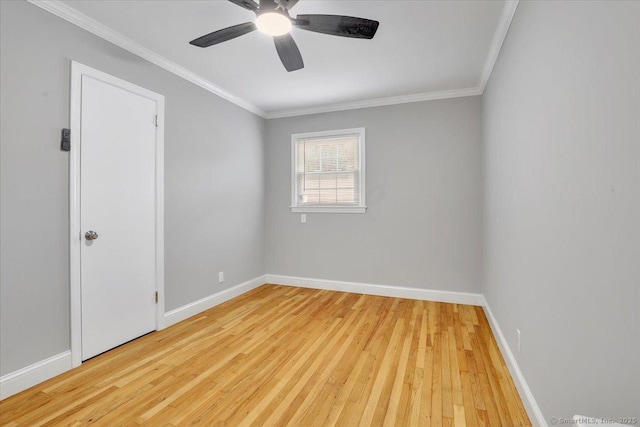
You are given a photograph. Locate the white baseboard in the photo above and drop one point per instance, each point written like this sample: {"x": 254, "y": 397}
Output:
{"x": 179, "y": 314}
{"x": 22, "y": 379}
{"x": 29, "y": 376}
{"x": 380, "y": 290}
{"x": 530, "y": 404}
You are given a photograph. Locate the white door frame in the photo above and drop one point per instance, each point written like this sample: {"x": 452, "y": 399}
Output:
{"x": 75, "y": 239}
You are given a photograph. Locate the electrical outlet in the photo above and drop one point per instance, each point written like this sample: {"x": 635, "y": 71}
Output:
{"x": 519, "y": 336}
{"x": 303, "y": 218}
{"x": 221, "y": 277}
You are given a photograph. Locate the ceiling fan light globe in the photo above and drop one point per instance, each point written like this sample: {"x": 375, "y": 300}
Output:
{"x": 273, "y": 24}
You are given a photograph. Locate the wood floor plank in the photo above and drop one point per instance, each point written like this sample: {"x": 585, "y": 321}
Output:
{"x": 415, "y": 400}
{"x": 392, "y": 415}
{"x": 282, "y": 355}
{"x": 319, "y": 403}
{"x": 295, "y": 398}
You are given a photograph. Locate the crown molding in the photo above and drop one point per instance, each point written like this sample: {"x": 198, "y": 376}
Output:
{"x": 506, "y": 17}
{"x": 378, "y": 102}
{"x": 508, "y": 11}
{"x": 75, "y": 17}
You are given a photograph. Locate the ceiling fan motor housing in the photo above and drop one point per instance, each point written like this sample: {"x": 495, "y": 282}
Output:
{"x": 274, "y": 19}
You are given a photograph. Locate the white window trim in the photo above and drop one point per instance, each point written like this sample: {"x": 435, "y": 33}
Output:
{"x": 362, "y": 207}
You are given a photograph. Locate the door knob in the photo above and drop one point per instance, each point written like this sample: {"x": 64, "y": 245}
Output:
{"x": 91, "y": 235}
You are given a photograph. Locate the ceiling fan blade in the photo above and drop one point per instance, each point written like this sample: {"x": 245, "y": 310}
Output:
{"x": 224, "y": 35}
{"x": 288, "y": 52}
{"x": 336, "y": 25}
{"x": 291, "y": 3}
{"x": 247, "y": 4}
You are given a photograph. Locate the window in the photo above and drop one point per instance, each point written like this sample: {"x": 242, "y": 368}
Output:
{"x": 328, "y": 172}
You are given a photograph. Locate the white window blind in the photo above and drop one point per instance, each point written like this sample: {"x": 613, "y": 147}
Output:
{"x": 328, "y": 171}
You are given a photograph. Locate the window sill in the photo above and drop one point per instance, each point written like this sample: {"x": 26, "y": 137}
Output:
{"x": 329, "y": 209}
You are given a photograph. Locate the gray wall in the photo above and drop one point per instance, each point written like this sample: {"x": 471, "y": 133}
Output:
{"x": 214, "y": 181}
{"x": 422, "y": 227}
{"x": 561, "y": 132}
{"x": 561, "y": 219}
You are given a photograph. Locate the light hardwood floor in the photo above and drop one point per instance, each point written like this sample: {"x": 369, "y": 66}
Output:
{"x": 291, "y": 356}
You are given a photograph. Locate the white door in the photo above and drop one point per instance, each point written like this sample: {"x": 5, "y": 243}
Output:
{"x": 117, "y": 214}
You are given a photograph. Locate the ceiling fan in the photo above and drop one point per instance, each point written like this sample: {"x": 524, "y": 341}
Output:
{"x": 273, "y": 19}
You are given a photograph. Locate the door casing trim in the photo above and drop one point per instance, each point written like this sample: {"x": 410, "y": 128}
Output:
{"x": 77, "y": 71}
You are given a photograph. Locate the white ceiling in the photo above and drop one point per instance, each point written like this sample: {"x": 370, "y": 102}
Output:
{"x": 423, "y": 49}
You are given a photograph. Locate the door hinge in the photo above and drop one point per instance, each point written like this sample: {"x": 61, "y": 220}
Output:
{"x": 156, "y": 297}
{"x": 156, "y": 120}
